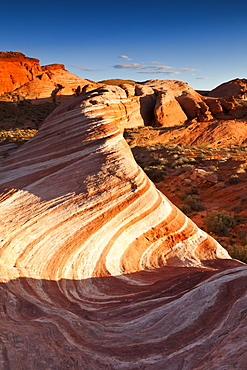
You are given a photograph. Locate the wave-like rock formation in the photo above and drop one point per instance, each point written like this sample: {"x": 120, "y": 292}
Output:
{"x": 98, "y": 269}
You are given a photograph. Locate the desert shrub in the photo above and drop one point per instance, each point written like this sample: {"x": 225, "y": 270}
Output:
{"x": 17, "y": 135}
{"x": 200, "y": 156}
{"x": 155, "y": 174}
{"x": 242, "y": 234}
{"x": 191, "y": 190}
{"x": 139, "y": 161}
{"x": 239, "y": 219}
{"x": 234, "y": 179}
{"x": 185, "y": 208}
{"x": 212, "y": 168}
{"x": 237, "y": 208}
{"x": 154, "y": 162}
{"x": 238, "y": 252}
{"x": 193, "y": 201}
{"x": 181, "y": 161}
{"x": 179, "y": 170}
{"x": 219, "y": 223}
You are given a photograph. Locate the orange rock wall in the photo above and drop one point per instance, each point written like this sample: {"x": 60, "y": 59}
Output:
{"x": 25, "y": 77}
{"x": 17, "y": 70}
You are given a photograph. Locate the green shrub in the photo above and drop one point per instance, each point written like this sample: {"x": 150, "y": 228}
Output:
{"x": 192, "y": 200}
{"x": 219, "y": 223}
{"x": 181, "y": 161}
{"x": 155, "y": 175}
{"x": 238, "y": 252}
{"x": 191, "y": 190}
{"x": 242, "y": 234}
{"x": 185, "y": 208}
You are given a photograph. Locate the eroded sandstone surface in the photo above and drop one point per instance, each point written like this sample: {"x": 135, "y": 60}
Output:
{"x": 24, "y": 78}
{"x": 98, "y": 269}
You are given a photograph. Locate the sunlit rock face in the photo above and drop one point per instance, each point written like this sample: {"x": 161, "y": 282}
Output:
{"x": 236, "y": 88}
{"x": 53, "y": 84}
{"x": 98, "y": 269}
{"x": 16, "y": 69}
{"x": 176, "y": 103}
{"x": 23, "y": 77}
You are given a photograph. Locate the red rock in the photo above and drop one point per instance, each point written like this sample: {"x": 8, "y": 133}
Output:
{"x": 168, "y": 111}
{"x": 97, "y": 268}
{"x": 55, "y": 84}
{"x": 216, "y": 107}
{"x": 194, "y": 106}
{"x": 236, "y": 88}
{"x": 24, "y": 76}
{"x": 16, "y": 69}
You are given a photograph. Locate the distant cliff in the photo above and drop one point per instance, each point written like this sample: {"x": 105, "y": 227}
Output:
{"x": 22, "y": 77}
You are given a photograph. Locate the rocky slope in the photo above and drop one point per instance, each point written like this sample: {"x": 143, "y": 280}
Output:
{"x": 98, "y": 269}
{"x": 236, "y": 88}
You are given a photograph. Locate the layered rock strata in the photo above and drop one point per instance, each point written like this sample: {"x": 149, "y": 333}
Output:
{"x": 98, "y": 269}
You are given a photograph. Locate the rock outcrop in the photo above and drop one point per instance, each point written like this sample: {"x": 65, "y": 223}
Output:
{"x": 236, "y": 88}
{"x": 176, "y": 103}
{"x": 98, "y": 269}
{"x": 16, "y": 69}
{"x": 158, "y": 103}
{"x": 23, "y": 77}
{"x": 54, "y": 84}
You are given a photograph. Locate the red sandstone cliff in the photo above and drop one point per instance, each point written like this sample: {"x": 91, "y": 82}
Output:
{"x": 25, "y": 77}
{"x": 16, "y": 69}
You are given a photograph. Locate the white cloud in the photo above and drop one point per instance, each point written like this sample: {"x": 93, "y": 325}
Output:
{"x": 188, "y": 69}
{"x": 124, "y": 57}
{"x": 130, "y": 66}
{"x": 203, "y": 78}
{"x": 154, "y": 68}
{"x": 170, "y": 73}
{"x": 138, "y": 66}
{"x": 78, "y": 66}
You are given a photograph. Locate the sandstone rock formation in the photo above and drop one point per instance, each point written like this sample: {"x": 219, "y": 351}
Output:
{"x": 158, "y": 103}
{"x": 177, "y": 103}
{"x": 25, "y": 77}
{"x": 168, "y": 111}
{"x": 16, "y": 69}
{"x": 236, "y": 88}
{"x": 98, "y": 269}
{"x": 54, "y": 84}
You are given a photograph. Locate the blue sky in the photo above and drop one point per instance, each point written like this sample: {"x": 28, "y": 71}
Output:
{"x": 203, "y": 42}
